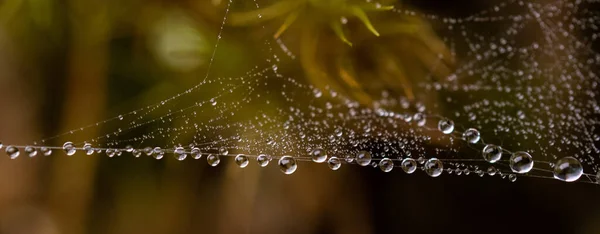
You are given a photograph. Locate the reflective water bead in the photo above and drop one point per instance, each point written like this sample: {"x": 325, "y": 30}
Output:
{"x": 318, "y": 155}
{"x": 1, "y": 145}
{"x": 568, "y": 169}
{"x": 349, "y": 158}
{"x": 471, "y": 135}
{"x": 492, "y": 153}
{"x": 287, "y": 164}
{"x": 159, "y": 155}
{"x": 512, "y": 177}
{"x": 129, "y": 148}
{"x": 213, "y": 160}
{"x": 12, "y": 152}
{"x": 521, "y": 162}
{"x": 87, "y": 147}
{"x": 386, "y": 165}
{"x": 157, "y": 150}
{"x": 136, "y": 153}
{"x": 241, "y": 160}
{"x": 363, "y": 158}
{"x": 491, "y": 171}
{"x": 419, "y": 118}
{"x": 180, "y": 153}
{"x": 334, "y": 163}
{"x": 148, "y": 151}
{"x": 195, "y": 153}
{"x": 434, "y": 167}
{"x": 69, "y": 148}
{"x": 409, "y": 165}
{"x": 110, "y": 152}
{"x": 223, "y": 151}
{"x": 446, "y": 126}
{"x": 30, "y": 151}
{"x": 263, "y": 160}
{"x": 46, "y": 151}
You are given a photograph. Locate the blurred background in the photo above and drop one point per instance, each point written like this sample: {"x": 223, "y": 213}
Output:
{"x": 68, "y": 63}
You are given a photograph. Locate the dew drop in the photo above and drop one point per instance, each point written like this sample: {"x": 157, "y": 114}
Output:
{"x": 30, "y": 151}
{"x": 46, "y": 151}
{"x": 69, "y": 148}
{"x": 136, "y": 153}
{"x": 213, "y": 160}
{"x": 12, "y": 152}
{"x": 287, "y": 165}
{"x": 110, "y": 152}
{"x": 87, "y": 147}
{"x": 491, "y": 171}
{"x": 434, "y": 167}
{"x": 492, "y": 153}
{"x": 180, "y": 153}
{"x": 263, "y": 160}
{"x": 363, "y": 158}
{"x": 446, "y": 126}
{"x": 129, "y": 148}
{"x": 568, "y": 169}
{"x": 318, "y": 155}
{"x": 420, "y": 119}
{"x": 1, "y": 145}
{"x": 334, "y": 163}
{"x": 521, "y": 162}
{"x": 241, "y": 160}
{"x": 512, "y": 177}
{"x": 386, "y": 165}
{"x": 471, "y": 135}
{"x": 195, "y": 153}
{"x": 409, "y": 165}
{"x": 223, "y": 151}
{"x": 148, "y": 151}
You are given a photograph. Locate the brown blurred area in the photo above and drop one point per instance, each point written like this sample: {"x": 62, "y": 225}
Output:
{"x": 68, "y": 63}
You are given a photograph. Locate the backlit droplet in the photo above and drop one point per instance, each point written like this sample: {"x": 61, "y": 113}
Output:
{"x": 263, "y": 160}
{"x": 446, "y": 126}
{"x": 46, "y": 151}
{"x": 512, "y": 177}
{"x": 30, "y": 151}
{"x": 386, "y": 165}
{"x": 1, "y": 145}
{"x": 223, "y": 151}
{"x": 158, "y": 154}
{"x": 419, "y": 118}
{"x": 287, "y": 165}
{"x": 363, "y": 158}
{"x": 568, "y": 169}
{"x": 241, "y": 160}
{"x": 334, "y": 163}
{"x": 492, "y": 153}
{"x": 521, "y": 162}
{"x": 409, "y": 165}
{"x": 129, "y": 148}
{"x": 434, "y": 167}
{"x": 148, "y": 151}
{"x": 213, "y": 160}
{"x": 180, "y": 153}
{"x": 12, "y": 152}
{"x": 69, "y": 148}
{"x": 491, "y": 171}
{"x": 195, "y": 153}
{"x": 87, "y": 147}
{"x": 136, "y": 153}
{"x": 318, "y": 155}
{"x": 471, "y": 135}
{"x": 110, "y": 152}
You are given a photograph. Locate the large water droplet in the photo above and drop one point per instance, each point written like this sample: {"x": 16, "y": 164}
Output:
{"x": 363, "y": 158}
{"x": 492, "y": 153}
{"x": 287, "y": 165}
{"x": 195, "y": 153}
{"x": 318, "y": 155}
{"x": 568, "y": 169}
{"x": 521, "y": 162}
{"x": 434, "y": 167}
{"x": 69, "y": 148}
{"x": 30, "y": 151}
{"x": 12, "y": 152}
{"x": 87, "y": 147}
{"x": 46, "y": 151}
{"x": 386, "y": 165}
{"x": 334, "y": 163}
{"x": 471, "y": 135}
{"x": 241, "y": 160}
{"x": 263, "y": 160}
{"x": 148, "y": 151}
{"x": 213, "y": 160}
{"x": 110, "y": 152}
{"x": 446, "y": 126}
{"x": 180, "y": 153}
{"x": 409, "y": 165}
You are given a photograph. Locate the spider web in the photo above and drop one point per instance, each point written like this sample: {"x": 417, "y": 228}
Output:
{"x": 524, "y": 76}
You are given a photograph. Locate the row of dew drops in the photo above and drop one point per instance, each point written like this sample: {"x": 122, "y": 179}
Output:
{"x": 566, "y": 169}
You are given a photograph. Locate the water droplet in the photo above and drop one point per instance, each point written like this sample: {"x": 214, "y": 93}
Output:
{"x": 1, "y": 145}
{"x": 148, "y": 151}
{"x": 129, "y": 148}
{"x": 69, "y": 148}
{"x": 46, "y": 151}
{"x": 512, "y": 177}
{"x": 318, "y": 155}
{"x": 386, "y": 165}
{"x": 12, "y": 152}
{"x": 180, "y": 153}
{"x": 446, "y": 126}
{"x": 434, "y": 167}
{"x": 158, "y": 154}
{"x": 87, "y": 147}
{"x": 263, "y": 160}
{"x": 420, "y": 119}
{"x": 568, "y": 169}
{"x": 195, "y": 153}
{"x": 363, "y": 158}
{"x": 491, "y": 171}
{"x": 287, "y": 165}
{"x": 409, "y": 165}
{"x": 136, "y": 153}
{"x": 120, "y": 117}
{"x": 30, "y": 151}
{"x": 349, "y": 158}
{"x": 334, "y": 163}
{"x": 521, "y": 162}
{"x": 492, "y": 153}
{"x": 471, "y": 135}
{"x": 213, "y": 160}
{"x": 241, "y": 160}
{"x": 110, "y": 152}
{"x": 223, "y": 151}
